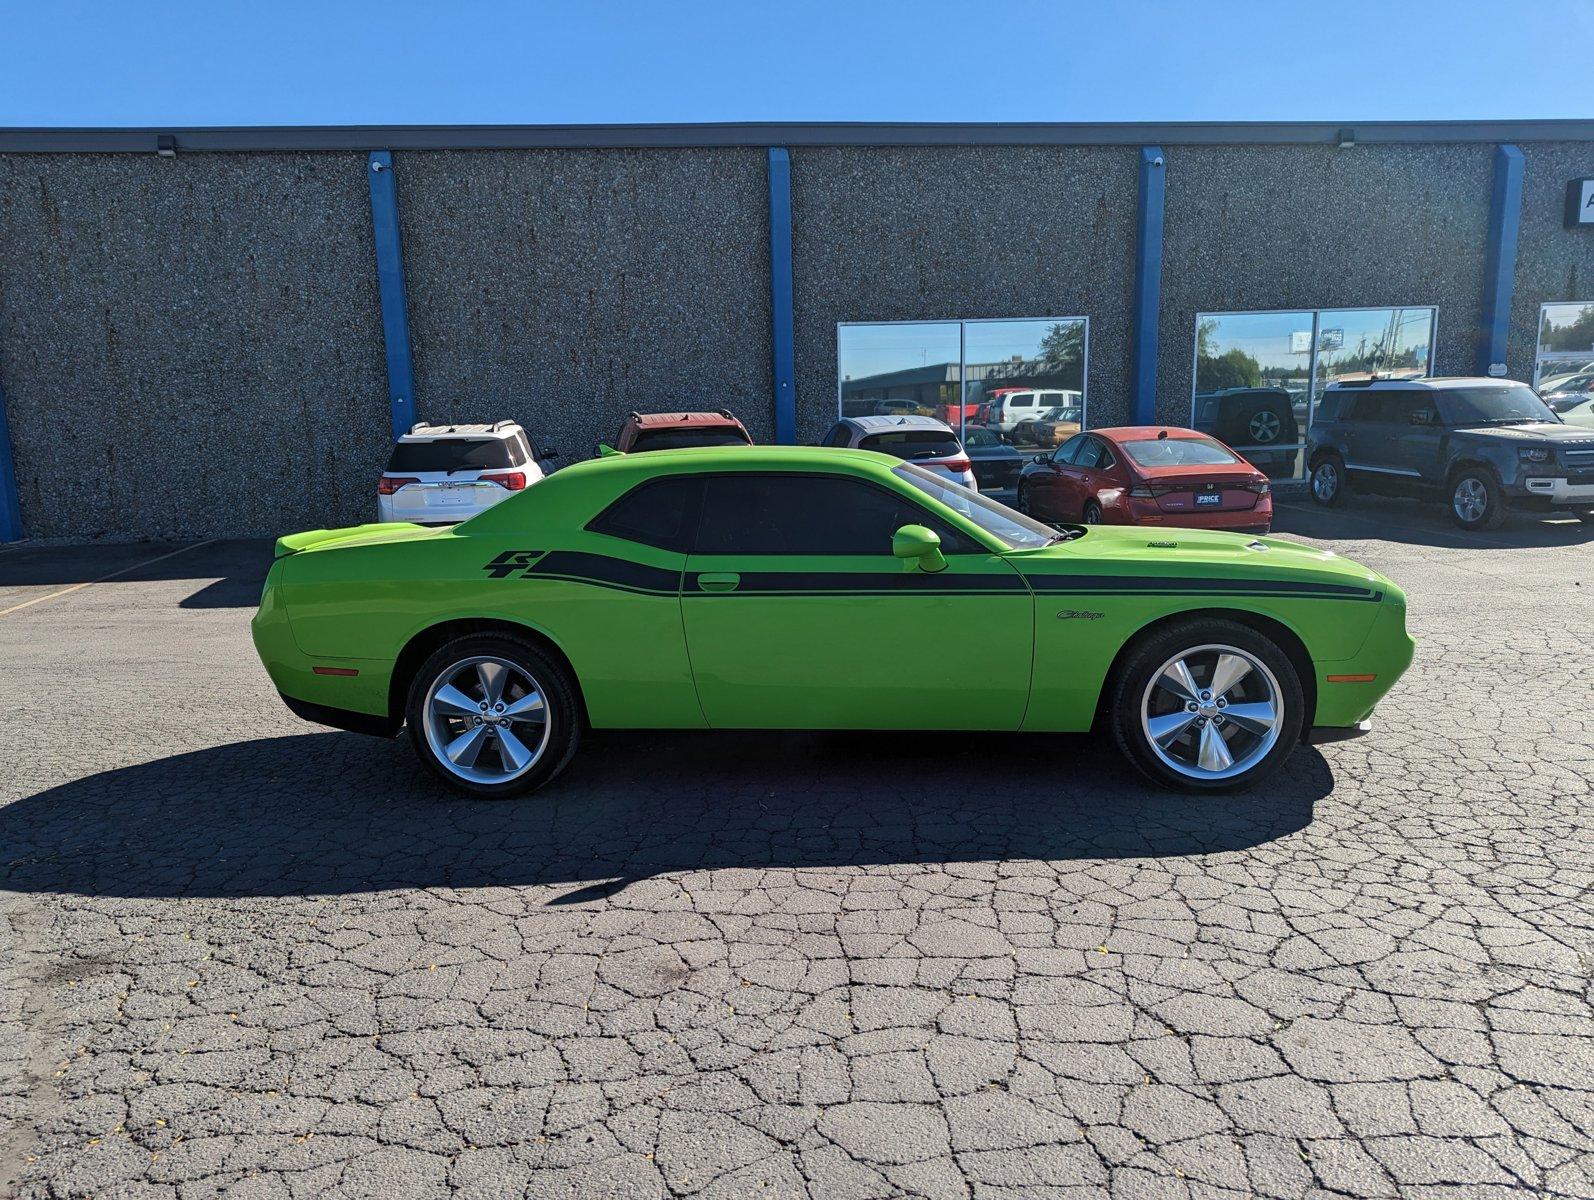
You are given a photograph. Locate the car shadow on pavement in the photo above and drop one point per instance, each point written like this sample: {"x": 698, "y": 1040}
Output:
{"x": 1424, "y": 523}
{"x": 332, "y": 813}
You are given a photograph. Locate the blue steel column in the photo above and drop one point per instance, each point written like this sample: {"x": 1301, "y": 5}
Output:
{"x": 1148, "y": 289}
{"x": 783, "y": 336}
{"x": 390, "y": 282}
{"x": 10, "y": 505}
{"x": 1499, "y": 278}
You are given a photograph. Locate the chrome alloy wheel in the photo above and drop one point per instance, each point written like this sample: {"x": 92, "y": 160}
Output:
{"x": 1325, "y": 481}
{"x": 1471, "y": 499}
{"x": 486, "y": 720}
{"x": 1212, "y": 712}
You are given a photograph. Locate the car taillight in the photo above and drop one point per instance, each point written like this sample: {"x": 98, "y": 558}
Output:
{"x": 1143, "y": 491}
{"x": 513, "y": 480}
{"x": 1260, "y": 486}
{"x": 388, "y": 484}
{"x": 957, "y": 464}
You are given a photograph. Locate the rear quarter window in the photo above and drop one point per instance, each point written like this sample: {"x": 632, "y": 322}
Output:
{"x": 660, "y": 512}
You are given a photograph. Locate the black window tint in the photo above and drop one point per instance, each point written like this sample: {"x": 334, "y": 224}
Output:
{"x": 657, "y": 513}
{"x": 1107, "y": 459}
{"x": 1069, "y": 449}
{"x": 679, "y": 439}
{"x": 808, "y": 514}
{"x": 1089, "y": 454}
{"x": 839, "y": 435}
{"x": 451, "y": 454}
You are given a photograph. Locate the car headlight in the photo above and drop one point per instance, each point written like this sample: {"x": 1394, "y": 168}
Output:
{"x": 1534, "y": 454}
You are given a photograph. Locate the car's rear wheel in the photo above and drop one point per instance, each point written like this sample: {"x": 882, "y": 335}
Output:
{"x": 493, "y": 716}
{"x": 1092, "y": 513}
{"x": 1329, "y": 485}
{"x": 1207, "y": 705}
{"x": 1476, "y": 499}
{"x": 1021, "y": 501}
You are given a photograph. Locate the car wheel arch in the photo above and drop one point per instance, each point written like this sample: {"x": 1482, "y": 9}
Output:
{"x": 424, "y": 642}
{"x": 1283, "y": 635}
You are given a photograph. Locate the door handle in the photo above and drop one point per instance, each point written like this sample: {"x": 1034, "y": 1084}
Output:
{"x": 718, "y": 581}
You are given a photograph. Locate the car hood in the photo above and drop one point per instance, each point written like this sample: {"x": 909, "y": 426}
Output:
{"x": 1134, "y": 551}
{"x": 1528, "y": 431}
{"x": 358, "y": 535}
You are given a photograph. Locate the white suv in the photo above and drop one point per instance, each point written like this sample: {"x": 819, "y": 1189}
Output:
{"x": 923, "y": 441}
{"x": 442, "y": 474}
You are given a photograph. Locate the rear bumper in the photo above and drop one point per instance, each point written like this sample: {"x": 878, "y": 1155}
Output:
{"x": 340, "y": 718}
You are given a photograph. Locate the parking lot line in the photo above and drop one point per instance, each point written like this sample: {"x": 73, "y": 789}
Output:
{"x": 148, "y": 562}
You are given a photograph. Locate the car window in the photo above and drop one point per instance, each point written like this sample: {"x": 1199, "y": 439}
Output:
{"x": 1024, "y": 400}
{"x": 675, "y": 439}
{"x": 1179, "y": 452}
{"x": 451, "y": 454}
{"x": 1507, "y": 404}
{"x": 809, "y": 514}
{"x": 1068, "y": 450}
{"x": 839, "y": 435}
{"x": 975, "y": 436}
{"x": 912, "y": 444}
{"x": 660, "y": 512}
{"x": 1108, "y": 459}
{"x": 1089, "y": 454}
{"x": 1013, "y": 529}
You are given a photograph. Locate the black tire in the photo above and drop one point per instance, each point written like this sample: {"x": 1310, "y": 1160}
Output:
{"x": 1092, "y": 513}
{"x": 1477, "y": 482}
{"x": 1199, "y": 637}
{"x": 1329, "y": 469}
{"x": 1586, "y": 516}
{"x": 1021, "y": 500}
{"x": 561, "y": 700}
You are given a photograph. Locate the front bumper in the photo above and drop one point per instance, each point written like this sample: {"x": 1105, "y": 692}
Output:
{"x": 1554, "y": 490}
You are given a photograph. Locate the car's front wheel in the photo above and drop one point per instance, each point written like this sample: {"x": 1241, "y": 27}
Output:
{"x": 1476, "y": 499}
{"x": 1092, "y": 513}
{"x": 493, "y": 715}
{"x": 1206, "y": 705}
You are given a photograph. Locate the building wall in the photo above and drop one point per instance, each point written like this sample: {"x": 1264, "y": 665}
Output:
{"x": 1284, "y": 227}
{"x": 565, "y": 288}
{"x": 190, "y": 346}
{"x": 950, "y": 232}
{"x": 1553, "y": 263}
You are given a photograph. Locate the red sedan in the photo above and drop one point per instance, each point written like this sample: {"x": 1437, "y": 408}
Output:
{"x": 1147, "y": 475}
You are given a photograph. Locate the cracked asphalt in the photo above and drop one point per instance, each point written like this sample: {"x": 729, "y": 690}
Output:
{"x": 246, "y": 957}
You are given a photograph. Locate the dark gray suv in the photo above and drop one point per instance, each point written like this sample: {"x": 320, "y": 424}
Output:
{"x": 1478, "y": 445}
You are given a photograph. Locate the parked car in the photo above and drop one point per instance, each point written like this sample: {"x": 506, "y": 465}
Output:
{"x": 922, "y": 440}
{"x": 1576, "y": 412}
{"x": 1147, "y": 475}
{"x": 640, "y": 432}
{"x": 1051, "y": 428}
{"x": 796, "y": 587}
{"x": 1256, "y": 420}
{"x": 996, "y": 464}
{"x": 1006, "y": 407}
{"x": 442, "y": 474}
{"x": 1567, "y": 388}
{"x": 1480, "y": 445}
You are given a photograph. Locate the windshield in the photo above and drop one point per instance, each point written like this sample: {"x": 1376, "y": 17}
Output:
{"x": 1064, "y": 414}
{"x": 975, "y": 436}
{"x": 914, "y": 443}
{"x": 1179, "y": 452}
{"x": 1568, "y": 384}
{"x": 1509, "y": 404}
{"x": 675, "y": 439}
{"x": 1014, "y": 530}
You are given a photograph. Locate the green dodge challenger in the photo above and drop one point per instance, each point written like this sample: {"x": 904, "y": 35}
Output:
{"x": 763, "y": 587}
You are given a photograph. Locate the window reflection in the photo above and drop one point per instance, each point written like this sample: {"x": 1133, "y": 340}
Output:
{"x": 1564, "y": 362}
{"x": 1020, "y": 381}
{"x": 1259, "y": 376}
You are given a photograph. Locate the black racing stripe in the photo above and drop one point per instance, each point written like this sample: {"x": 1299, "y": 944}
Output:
{"x": 603, "y": 571}
{"x": 848, "y": 583}
{"x": 1158, "y": 584}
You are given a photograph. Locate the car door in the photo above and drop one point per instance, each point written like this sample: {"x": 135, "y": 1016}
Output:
{"x": 1079, "y": 477}
{"x": 798, "y": 616}
{"x": 1048, "y": 489}
{"x": 1379, "y": 442}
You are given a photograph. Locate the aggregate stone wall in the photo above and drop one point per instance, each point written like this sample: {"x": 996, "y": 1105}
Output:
{"x": 565, "y": 288}
{"x": 1284, "y": 227}
{"x": 1553, "y": 263}
{"x": 949, "y": 232}
{"x": 190, "y": 346}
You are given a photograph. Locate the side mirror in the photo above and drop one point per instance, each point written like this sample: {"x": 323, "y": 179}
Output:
{"x": 915, "y": 541}
{"x": 1041, "y": 459}
{"x": 548, "y": 452}
{"x": 604, "y": 450}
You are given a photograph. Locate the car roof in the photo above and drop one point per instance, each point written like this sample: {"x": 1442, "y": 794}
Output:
{"x": 697, "y": 420}
{"x": 1435, "y": 383}
{"x": 422, "y": 432}
{"x": 1146, "y": 433}
{"x": 895, "y": 421}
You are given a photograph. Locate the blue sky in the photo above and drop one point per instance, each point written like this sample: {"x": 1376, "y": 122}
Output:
{"x": 358, "y": 62}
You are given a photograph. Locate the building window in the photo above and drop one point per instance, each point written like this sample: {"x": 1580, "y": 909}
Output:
{"x": 1022, "y": 379}
{"x": 1563, "y": 365}
{"x": 1259, "y": 375}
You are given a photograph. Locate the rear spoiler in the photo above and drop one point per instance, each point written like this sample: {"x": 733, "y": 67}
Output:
{"x": 295, "y": 542}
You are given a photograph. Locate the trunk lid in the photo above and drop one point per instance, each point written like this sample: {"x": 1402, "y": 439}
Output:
{"x": 355, "y": 535}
